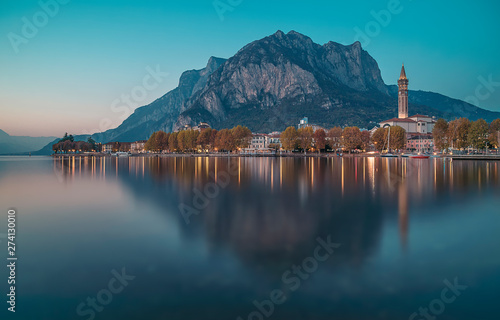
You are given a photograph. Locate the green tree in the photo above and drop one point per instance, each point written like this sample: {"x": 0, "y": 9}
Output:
{"x": 379, "y": 139}
{"x": 92, "y": 143}
{"x": 289, "y": 139}
{"x": 478, "y": 134}
{"x": 440, "y": 134}
{"x": 305, "y": 138}
{"x": 67, "y": 138}
{"x": 320, "y": 139}
{"x": 351, "y": 138}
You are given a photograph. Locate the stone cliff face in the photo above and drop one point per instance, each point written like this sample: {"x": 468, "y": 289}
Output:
{"x": 162, "y": 113}
{"x": 273, "y": 82}
{"x": 284, "y": 69}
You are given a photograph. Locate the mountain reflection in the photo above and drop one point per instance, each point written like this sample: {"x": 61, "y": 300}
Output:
{"x": 270, "y": 211}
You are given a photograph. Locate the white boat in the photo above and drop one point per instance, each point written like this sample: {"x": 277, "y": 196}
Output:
{"x": 120, "y": 154}
{"x": 388, "y": 154}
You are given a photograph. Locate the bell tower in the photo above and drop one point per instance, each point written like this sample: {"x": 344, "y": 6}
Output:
{"x": 403, "y": 94}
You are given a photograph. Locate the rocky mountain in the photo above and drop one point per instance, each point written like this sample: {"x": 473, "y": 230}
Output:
{"x": 162, "y": 113}
{"x": 273, "y": 82}
{"x": 21, "y": 144}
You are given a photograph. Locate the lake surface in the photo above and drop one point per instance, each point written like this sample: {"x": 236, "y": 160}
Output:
{"x": 222, "y": 238}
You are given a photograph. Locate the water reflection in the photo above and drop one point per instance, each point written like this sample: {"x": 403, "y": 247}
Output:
{"x": 404, "y": 226}
{"x": 272, "y": 209}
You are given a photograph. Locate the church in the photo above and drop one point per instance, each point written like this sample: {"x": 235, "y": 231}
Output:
{"x": 418, "y": 127}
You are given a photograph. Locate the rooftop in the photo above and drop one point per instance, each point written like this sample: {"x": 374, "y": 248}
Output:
{"x": 420, "y": 116}
{"x": 399, "y": 120}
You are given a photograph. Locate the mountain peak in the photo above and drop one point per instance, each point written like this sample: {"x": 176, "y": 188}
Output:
{"x": 279, "y": 34}
{"x": 269, "y": 84}
{"x": 3, "y": 134}
{"x": 214, "y": 63}
{"x": 357, "y": 46}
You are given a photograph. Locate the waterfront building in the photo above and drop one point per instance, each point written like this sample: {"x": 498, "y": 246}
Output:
{"x": 138, "y": 146}
{"x": 108, "y": 147}
{"x": 274, "y": 138}
{"x": 259, "y": 141}
{"x": 420, "y": 143}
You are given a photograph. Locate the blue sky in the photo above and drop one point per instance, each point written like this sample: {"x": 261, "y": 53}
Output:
{"x": 87, "y": 55}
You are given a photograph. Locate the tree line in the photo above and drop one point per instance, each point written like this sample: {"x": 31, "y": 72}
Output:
{"x": 206, "y": 140}
{"x": 348, "y": 139}
{"x": 68, "y": 144}
{"x": 462, "y": 134}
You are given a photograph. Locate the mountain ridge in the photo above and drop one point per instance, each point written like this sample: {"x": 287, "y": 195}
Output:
{"x": 21, "y": 144}
{"x": 273, "y": 82}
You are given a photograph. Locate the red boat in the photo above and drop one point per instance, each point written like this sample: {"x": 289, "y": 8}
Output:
{"x": 420, "y": 156}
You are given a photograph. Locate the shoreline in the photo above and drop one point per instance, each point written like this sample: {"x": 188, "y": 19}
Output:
{"x": 284, "y": 155}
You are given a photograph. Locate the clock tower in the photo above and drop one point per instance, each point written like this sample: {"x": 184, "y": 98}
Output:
{"x": 403, "y": 95}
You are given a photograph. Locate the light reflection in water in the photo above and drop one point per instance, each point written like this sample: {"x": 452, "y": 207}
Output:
{"x": 337, "y": 179}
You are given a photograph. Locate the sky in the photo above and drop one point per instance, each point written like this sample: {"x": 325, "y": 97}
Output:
{"x": 82, "y": 66}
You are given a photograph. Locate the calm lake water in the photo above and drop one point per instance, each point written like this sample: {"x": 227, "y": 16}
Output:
{"x": 210, "y": 238}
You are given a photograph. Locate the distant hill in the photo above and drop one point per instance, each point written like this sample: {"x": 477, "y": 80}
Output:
{"x": 451, "y": 108}
{"x": 21, "y": 144}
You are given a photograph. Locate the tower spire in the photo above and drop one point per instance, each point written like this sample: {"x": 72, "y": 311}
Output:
{"x": 403, "y": 72}
{"x": 403, "y": 94}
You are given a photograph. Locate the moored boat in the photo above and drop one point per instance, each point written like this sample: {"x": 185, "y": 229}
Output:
{"x": 420, "y": 156}
{"x": 388, "y": 155}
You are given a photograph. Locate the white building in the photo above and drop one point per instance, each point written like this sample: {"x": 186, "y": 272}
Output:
{"x": 108, "y": 147}
{"x": 259, "y": 141}
{"x": 138, "y": 146}
{"x": 414, "y": 124}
